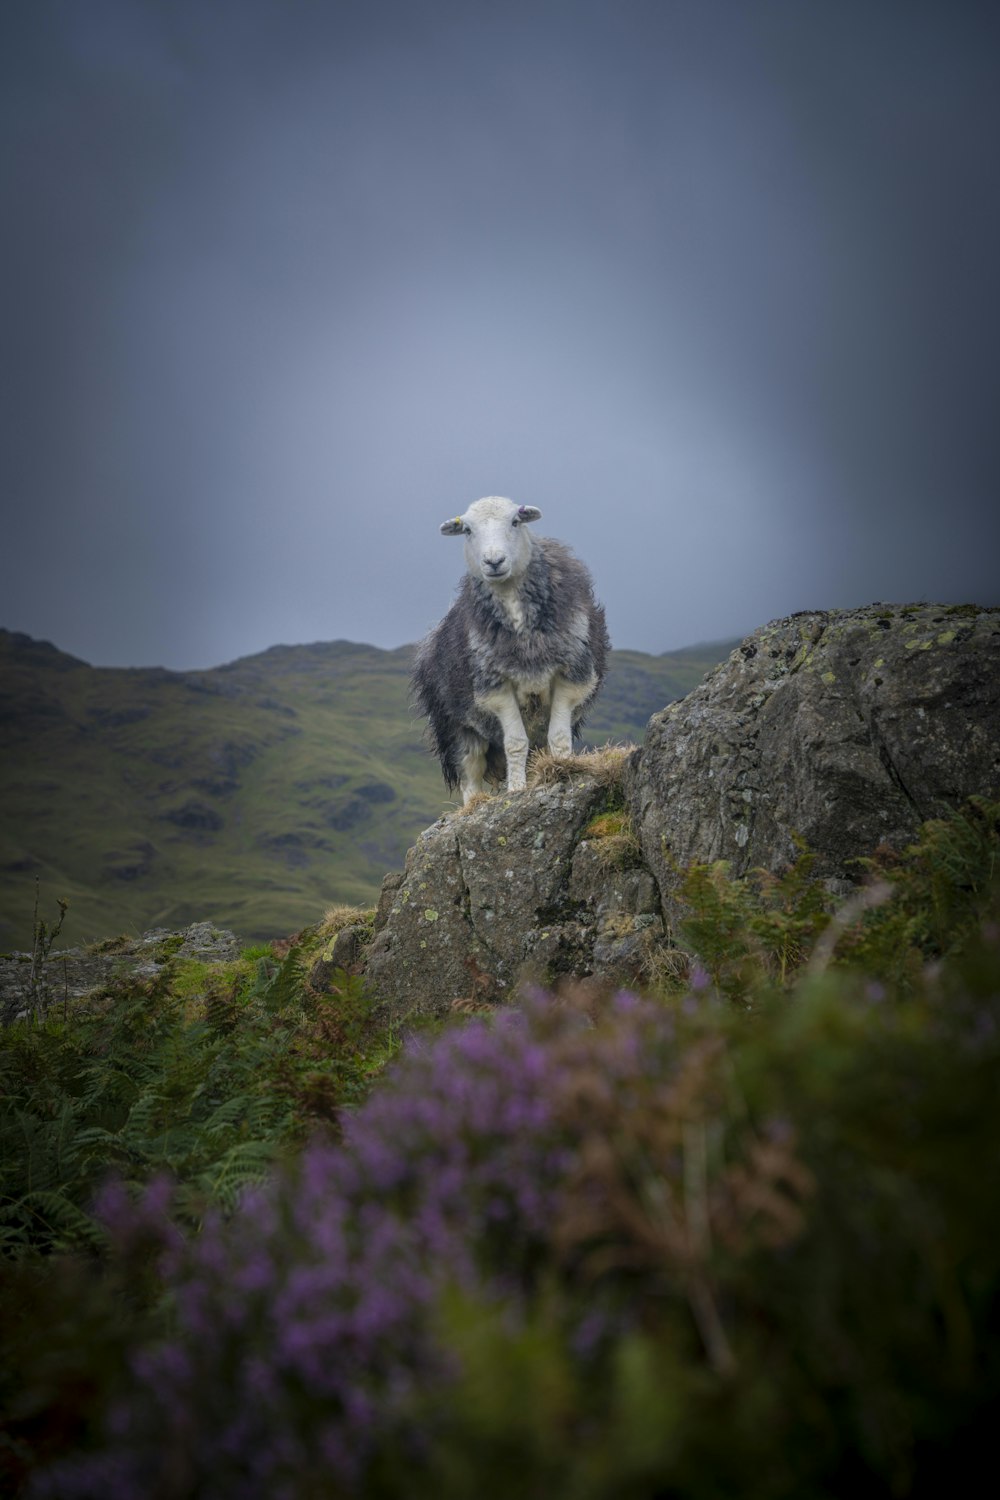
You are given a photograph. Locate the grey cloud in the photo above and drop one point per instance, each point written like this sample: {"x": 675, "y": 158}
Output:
{"x": 713, "y": 285}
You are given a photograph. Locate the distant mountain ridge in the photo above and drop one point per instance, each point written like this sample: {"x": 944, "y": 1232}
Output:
{"x": 254, "y": 794}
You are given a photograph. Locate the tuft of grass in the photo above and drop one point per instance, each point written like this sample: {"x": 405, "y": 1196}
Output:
{"x": 607, "y": 825}
{"x": 614, "y": 839}
{"x": 254, "y": 951}
{"x": 667, "y": 969}
{"x": 605, "y": 764}
{"x": 116, "y": 944}
{"x": 341, "y": 916}
{"x": 479, "y": 800}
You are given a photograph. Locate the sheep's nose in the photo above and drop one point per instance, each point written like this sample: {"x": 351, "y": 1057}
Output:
{"x": 496, "y": 563}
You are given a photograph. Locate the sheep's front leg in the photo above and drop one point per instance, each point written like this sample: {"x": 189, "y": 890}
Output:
{"x": 566, "y": 698}
{"x": 503, "y": 703}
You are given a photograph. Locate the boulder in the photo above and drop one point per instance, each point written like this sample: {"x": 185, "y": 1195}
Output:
{"x": 849, "y": 728}
{"x": 509, "y": 892}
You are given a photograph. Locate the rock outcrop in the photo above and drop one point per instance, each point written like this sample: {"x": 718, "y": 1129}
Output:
{"x": 847, "y": 728}
{"x": 71, "y": 973}
{"x": 510, "y": 891}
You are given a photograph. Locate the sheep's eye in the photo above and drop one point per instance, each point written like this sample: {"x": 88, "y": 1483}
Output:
{"x": 515, "y": 521}
{"x": 466, "y": 531}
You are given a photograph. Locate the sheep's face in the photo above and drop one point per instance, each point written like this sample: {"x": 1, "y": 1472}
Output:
{"x": 497, "y": 545}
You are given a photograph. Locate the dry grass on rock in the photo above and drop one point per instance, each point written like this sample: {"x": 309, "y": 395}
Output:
{"x": 479, "y": 800}
{"x": 613, "y": 840}
{"x": 605, "y": 764}
{"x": 337, "y": 918}
{"x": 666, "y": 969}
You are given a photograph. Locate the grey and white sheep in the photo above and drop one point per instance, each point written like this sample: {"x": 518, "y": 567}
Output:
{"x": 521, "y": 652}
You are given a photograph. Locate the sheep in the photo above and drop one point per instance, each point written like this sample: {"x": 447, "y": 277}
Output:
{"x": 524, "y": 646}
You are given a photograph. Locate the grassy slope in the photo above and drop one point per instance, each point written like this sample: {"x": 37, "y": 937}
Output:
{"x": 253, "y": 795}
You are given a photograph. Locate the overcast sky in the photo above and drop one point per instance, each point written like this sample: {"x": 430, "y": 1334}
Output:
{"x": 286, "y": 283}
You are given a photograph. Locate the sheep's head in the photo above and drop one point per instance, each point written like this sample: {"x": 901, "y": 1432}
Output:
{"x": 497, "y": 547}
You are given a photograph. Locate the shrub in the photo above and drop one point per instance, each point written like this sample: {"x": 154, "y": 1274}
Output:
{"x": 918, "y": 904}
{"x": 566, "y": 1251}
{"x": 206, "y": 1073}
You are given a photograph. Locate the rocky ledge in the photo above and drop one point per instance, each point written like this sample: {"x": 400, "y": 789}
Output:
{"x": 846, "y": 728}
{"x": 71, "y": 973}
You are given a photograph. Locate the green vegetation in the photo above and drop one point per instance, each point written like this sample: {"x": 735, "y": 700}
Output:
{"x": 43, "y": 937}
{"x": 614, "y": 839}
{"x": 207, "y": 1072}
{"x": 741, "y": 1236}
{"x": 248, "y": 795}
{"x": 913, "y": 909}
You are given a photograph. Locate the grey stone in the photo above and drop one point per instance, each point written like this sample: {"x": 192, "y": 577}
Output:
{"x": 209, "y": 944}
{"x": 72, "y": 973}
{"x": 387, "y": 895}
{"x": 494, "y": 897}
{"x": 849, "y": 728}
{"x": 346, "y": 954}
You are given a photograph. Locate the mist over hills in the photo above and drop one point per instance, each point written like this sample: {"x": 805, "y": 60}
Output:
{"x": 254, "y": 794}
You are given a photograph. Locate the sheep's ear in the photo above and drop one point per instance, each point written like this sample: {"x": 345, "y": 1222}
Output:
{"x": 453, "y": 528}
{"x": 529, "y": 512}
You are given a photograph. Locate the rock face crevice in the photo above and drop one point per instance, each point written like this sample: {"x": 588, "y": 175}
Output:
{"x": 893, "y": 772}
{"x": 845, "y": 728}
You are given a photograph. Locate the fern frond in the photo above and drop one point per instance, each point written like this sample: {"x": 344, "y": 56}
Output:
{"x": 62, "y": 1223}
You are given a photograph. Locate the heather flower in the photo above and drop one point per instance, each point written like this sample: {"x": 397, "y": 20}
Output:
{"x": 302, "y": 1326}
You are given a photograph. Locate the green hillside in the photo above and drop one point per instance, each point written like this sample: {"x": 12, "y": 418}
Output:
{"x": 254, "y": 795}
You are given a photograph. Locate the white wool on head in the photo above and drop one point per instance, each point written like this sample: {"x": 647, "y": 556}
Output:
{"x": 498, "y": 545}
